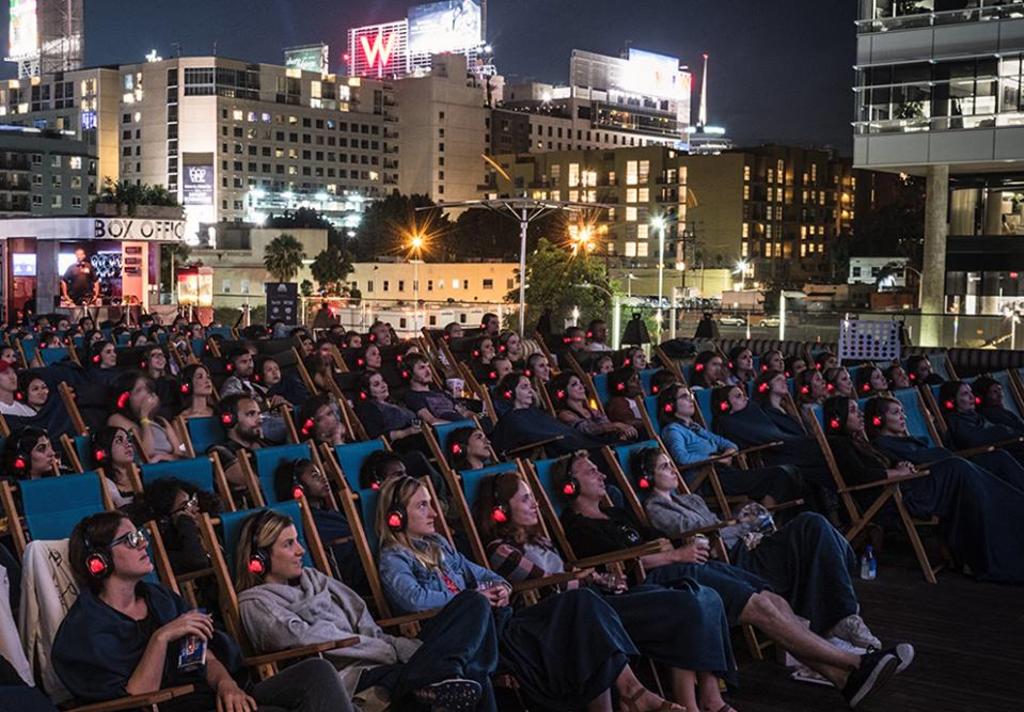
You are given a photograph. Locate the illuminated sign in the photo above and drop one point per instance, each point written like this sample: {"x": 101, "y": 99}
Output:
{"x": 88, "y": 120}
{"x": 379, "y": 50}
{"x": 24, "y": 30}
{"x": 652, "y": 74}
{"x": 309, "y": 58}
{"x": 133, "y": 229}
{"x": 446, "y": 26}
{"x": 197, "y": 185}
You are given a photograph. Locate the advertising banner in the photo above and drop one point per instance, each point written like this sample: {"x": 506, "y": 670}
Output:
{"x": 197, "y": 186}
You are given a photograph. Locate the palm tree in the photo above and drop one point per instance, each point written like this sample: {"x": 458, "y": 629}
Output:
{"x": 283, "y": 257}
{"x": 331, "y": 267}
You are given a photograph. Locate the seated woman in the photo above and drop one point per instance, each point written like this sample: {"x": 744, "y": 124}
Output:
{"x": 537, "y": 366}
{"x": 662, "y": 380}
{"x": 196, "y": 388}
{"x": 103, "y": 362}
{"x": 284, "y": 604}
{"x": 576, "y": 634}
{"x": 741, "y": 365}
{"x": 795, "y": 364}
{"x": 897, "y": 377}
{"x": 625, "y": 387}
{"x": 688, "y": 442}
{"x": 919, "y": 371}
{"x": 510, "y": 345}
{"x": 635, "y": 358}
{"x": 838, "y": 382}
{"x": 684, "y": 629}
{"x": 593, "y": 530}
{"x": 811, "y": 388}
{"x": 601, "y": 363}
{"x": 112, "y": 450}
{"x": 123, "y": 636}
{"x": 708, "y": 370}
{"x": 279, "y": 388}
{"x": 773, "y": 360}
{"x": 468, "y": 449}
{"x": 155, "y": 365}
{"x": 569, "y": 398}
{"x": 33, "y": 389}
{"x": 807, "y": 562}
{"x": 870, "y": 381}
{"x": 28, "y": 455}
{"x": 891, "y": 436}
{"x": 481, "y": 355}
{"x": 991, "y": 395}
{"x": 523, "y": 423}
{"x": 968, "y": 428}
{"x": 136, "y": 405}
{"x": 176, "y": 506}
{"x": 825, "y": 360}
{"x": 981, "y": 526}
{"x": 381, "y": 417}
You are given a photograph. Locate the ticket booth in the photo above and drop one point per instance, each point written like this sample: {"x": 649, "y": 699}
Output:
{"x": 123, "y": 254}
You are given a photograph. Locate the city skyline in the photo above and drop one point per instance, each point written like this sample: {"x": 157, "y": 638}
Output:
{"x": 769, "y": 88}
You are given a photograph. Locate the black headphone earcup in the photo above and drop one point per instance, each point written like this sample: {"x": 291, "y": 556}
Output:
{"x": 98, "y": 564}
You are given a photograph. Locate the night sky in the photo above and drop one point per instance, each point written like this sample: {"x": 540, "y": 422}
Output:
{"x": 780, "y": 69}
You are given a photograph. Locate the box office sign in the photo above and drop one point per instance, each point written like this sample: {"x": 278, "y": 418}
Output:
{"x": 138, "y": 229}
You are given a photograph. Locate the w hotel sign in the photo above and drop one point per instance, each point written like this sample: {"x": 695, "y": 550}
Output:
{"x": 379, "y": 51}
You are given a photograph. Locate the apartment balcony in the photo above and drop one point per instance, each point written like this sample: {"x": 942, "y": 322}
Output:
{"x": 15, "y": 163}
{"x": 14, "y": 186}
{"x": 973, "y": 11}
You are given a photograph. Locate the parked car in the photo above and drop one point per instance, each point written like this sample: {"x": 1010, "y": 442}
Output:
{"x": 731, "y": 320}
{"x": 769, "y": 321}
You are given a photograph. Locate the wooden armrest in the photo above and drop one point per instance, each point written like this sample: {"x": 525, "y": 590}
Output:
{"x": 408, "y": 618}
{"x": 614, "y": 557}
{"x": 725, "y": 456}
{"x": 785, "y": 505}
{"x": 758, "y": 448}
{"x": 531, "y": 446}
{"x": 135, "y": 701}
{"x": 982, "y": 449}
{"x": 193, "y": 575}
{"x": 886, "y": 482}
{"x": 543, "y": 582}
{"x": 303, "y": 652}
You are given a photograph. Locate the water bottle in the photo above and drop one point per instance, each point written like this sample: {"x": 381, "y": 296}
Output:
{"x": 869, "y": 565}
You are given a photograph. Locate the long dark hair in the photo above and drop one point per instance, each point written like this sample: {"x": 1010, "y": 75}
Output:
{"x": 836, "y": 409}
{"x": 947, "y": 396}
{"x": 862, "y": 381}
{"x": 499, "y": 490}
{"x": 763, "y": 386}
{"x": 874, "y": 414}
{"x": 667, "y": 404}
{"x": 456, "y": 447}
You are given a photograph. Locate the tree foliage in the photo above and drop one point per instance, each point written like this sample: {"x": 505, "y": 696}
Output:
{"x": 558, "y": 280}
{"x": 387, "y": 223}
{"x": 283, "y": 257}
{"x": 128, "y": 196}
{"x": 330, "y": 269}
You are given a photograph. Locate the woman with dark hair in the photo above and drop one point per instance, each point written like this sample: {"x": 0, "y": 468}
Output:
{"x": 569, "y": 398}
{"x": 741, "y": 365}
{"x": 824, "y": 360}
{"x": 688, "y": 442}
{"x": 29, "y": 455}
{"x": 919, "y": 371}
{"x": 33, "y": 389}
{"x": 897, "y": 377}
{"x": 103, "y": 361}
{"x": 870, "y": 381}
{"x": 155, "y": 364}
{"x": 468, "y": 449}
{"x": 795, "y": 364}
{"x": 979, "y": 512}
{"x": 136, "y": 404}
{"x": 838, "y": 382}
{"x": 684, "y": 629}
{"x": 773, "y": 360}
{"x": 288, "y": 605}
{"x": 811, "y": 388}
{"x": 480, "y": 357}
{"x": 991, "y": 395}
{"x": 968, "y": 428}
{"x": 625, "y": 387}
{"x": 381, "y": 417}
{"x": 113, "y": 452}
{"x": 511, "y": 346}
{"x": 807, "y": 561}
{"x": 123, "y": 634}
{"x": 176, "y": 506}
{"x": 320, "y": 418}
{"x": 708, "y": 370}
{"x": 594, "y": 529}
{"x": 523, "y": 423}
{"x": 663, "y": 379}
{"x": 195, "y": 387}
{"x": 576, "y": 634}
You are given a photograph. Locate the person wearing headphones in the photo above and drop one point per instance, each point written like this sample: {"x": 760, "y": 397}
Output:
{"x": 103, "y": 361}
{"x": 597, "y": 336}
{"x": 114, "y": 453}
{"x": 285, "y": 604}
{"x": 29, "y": 455}
{"x": 239, "y": 415}
{"x": 196, "y": 388}
{"x": 968, "y": 428}
{"x": 431, "y": 405}
{"x": 136, "y": 406}
{"x": 242, "y": 366}
{"x": 490, "y": 324}
{"x": 127, "y": 636}
{"x": 10, "y": 402}
{"x": 569, "y": 398}
{"x": 585, "y": 650}
{"x": 593, "y": 530}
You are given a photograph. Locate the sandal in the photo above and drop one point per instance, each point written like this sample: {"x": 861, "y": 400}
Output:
{"x": 629, "y": 704}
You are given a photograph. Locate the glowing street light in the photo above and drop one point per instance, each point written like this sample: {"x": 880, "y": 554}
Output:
{"x": 741, "y": 267}
{"x": 658, "y": 223}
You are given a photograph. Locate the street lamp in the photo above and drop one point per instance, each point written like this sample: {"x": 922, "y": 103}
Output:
{"x": 741, "y": 270}
{"x": 629, "y": 285}
{"x": 658, "y": 224}
{"x": 416, "y": 242}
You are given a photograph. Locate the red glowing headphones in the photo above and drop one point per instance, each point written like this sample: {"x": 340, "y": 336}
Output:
{"x": 950, "y": 405}
{"x": 499, "y": 512}
{"x": 96, "y": 358}
{"x": 560, "y": 394}
{"x": 763, "y": 387}
{"x": 669, "y": 408}
{"x": 456, "y": 449}
{"x": 99, "y": 455}
{"x": 307, "y": 427}
{"x": 805, "y": 390}
{"x": 977, "y": 400}
{"x": 834, "y": 424}
{"x": 830, "y": 387}
{"x": 185, "y": 389}
{"x": 698, "y": 367}
{"x": 866, "y": 387}
{"x": 724, "y": 406}
{"x": 620, "y": 386}
{"x": 876, "y": 421}
{"x": 508, "y": 395}
{"x": 122, "y": 400}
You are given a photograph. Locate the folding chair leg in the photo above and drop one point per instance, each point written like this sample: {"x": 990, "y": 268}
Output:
{"x": 755, "y": 646}
{"x": 868, "y": 515}
{"x": 915, "y": 539}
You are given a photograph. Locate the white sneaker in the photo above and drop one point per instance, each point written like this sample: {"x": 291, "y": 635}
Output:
{"x": 853, "y": 630}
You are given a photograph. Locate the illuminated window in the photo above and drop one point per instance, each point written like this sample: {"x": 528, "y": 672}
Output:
{"x": 803, "y": 250}
{"x": 814, "y": 172}
{"x": 645, "y": 171}
{"x": 574, "y": 175}
{"x": 771, "y": 194}
{"x": 556, "y": 195}
{"x": 237, "y": 114}
{"x": 631, "y": 195}
{"x": 631, "y": 172}
{"x": 803, "y": 232}
{"x": 630, "y": 249}
{"x": 771, "y": 177}
{"x": 746, "y": 172}
{"x": 641, "y": 249}
{"x": 456, "y": 284}
{"x": 768, "y": 231}
{"x": 770, "y": 212}
{"x": 589, "y": 179}
{"x": 574, "y": 196}
{"x": 644, "y": 195}
{"x": 746, "y": 230}
{"x": 630, "y": 214}
{"x": 780, "y": 169}
{"x": 746, "y": 192}
{"x": 642, "y": 231}
{"x": 744, "y": 249}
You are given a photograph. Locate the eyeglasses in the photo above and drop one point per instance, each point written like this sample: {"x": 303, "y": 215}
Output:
{"x": 192, "y": 501}
{"x": 133, "y": 539}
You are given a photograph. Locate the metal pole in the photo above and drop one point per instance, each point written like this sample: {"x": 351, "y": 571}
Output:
{"x": 416, "y": 296}
{"x": 523, "y": 226}
{"x": 782, "y": 316}
{"x": 616, "y": 321}
{"x": 661, "y": 273}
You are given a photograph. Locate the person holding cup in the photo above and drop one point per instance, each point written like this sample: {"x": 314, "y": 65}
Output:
{"x": 431, "y": 405}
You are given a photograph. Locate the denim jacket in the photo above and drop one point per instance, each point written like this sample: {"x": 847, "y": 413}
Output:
{"x": 410, "y": 587}
{"x": 693, "y": 444}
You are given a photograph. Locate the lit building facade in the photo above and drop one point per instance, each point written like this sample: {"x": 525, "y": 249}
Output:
{"x": 44, "y": 173}
{"x": 938, "y": 92}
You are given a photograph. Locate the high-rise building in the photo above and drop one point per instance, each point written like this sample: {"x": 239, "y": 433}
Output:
{"x": 44, "y": 173}
{"x": 938, "y": 92}
{"x": 46, "y": 36}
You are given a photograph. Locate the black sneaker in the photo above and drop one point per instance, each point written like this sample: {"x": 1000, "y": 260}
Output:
{"x": 454, "y": 695}
{"x": 874, "y": 671}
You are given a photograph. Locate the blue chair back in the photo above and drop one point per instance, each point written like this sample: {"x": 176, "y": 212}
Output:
{"x": 197, "y": 472}
{"x": 601, "y": 388}
{"x": 1009, "y": 400}
{"x": 444, "y": 431}
{"x": 198, "y": 347}
{"x": 351, "y": 458}
{"x": 78, "y": 341}
{"x": 123, "y": 338}
{"x": 547, "y": 482}
{"x": 702, "y": 397}
{"x": 791, "y": 384}
{"x": 624, "y": 455}
{"x": 367, "y": 504}
{"x": 472, "y": 480}
{"x": 83, "y": 448}
{"x": 651, "y": 406}
{"x": 231, "y": 530}
{"x": 647, "y": 378}
{"x": 266, "y": 460}
{"x": 917, "y": 426}
{"x": 29, "y": 346}
{"x": 54, "y": 505}
{"x": 819, "y": 413}
{"x": 54, "y": 354}
{"x": 204, "y": 432}
{"x": 223, "y": 331}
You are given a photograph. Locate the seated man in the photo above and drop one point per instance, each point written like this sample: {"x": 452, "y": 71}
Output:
{"x": 431, "y": 405}
{"x": 125, "y": 636}
{"x": 240, "y": 417}
{"x": 242, "y": 366}
{"x": 10, "y": 403}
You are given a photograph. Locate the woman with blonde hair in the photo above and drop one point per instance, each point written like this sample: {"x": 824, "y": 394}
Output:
{"x": 566, "y": 651}
{"x": 284, "y": 604}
